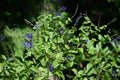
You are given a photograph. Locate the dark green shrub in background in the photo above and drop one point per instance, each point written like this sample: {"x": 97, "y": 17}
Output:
{"x": 13, "y": 12}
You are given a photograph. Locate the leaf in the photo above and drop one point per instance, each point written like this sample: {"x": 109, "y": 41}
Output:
{"x": 43, "y": 62}
{"x": 46, "y": 38}
{"x": 3, "y": 57}
{"x": 73, "y": 51}
{"x": 1, "y": 66}
{"x": 80, "y": 50}
{"x": 91, "y": 50}
{"x": 72, "y": 63}
{"x": 60, "y": 74}
{"x": 60, "y": 40}
{"x": 55, "y": 64}
{"x": 59, "y": 56}
{"x": 100, "y": 37}
{"x": 92, "y": 71}
{"x": 19, "y": 69}
{"x": 67, "y": 47}
{"x": 24, "y": 78}
{"x": 75, "y": 71}
{"x": 98, "y": 46}
{"x": 88, "y": 67}
{"x": 80, "y": 73}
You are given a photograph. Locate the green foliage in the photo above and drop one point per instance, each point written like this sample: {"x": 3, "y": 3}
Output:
{"x": 52, "y": 49}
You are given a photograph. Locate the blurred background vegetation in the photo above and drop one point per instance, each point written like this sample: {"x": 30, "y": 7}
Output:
{"x": 13, "y": 12}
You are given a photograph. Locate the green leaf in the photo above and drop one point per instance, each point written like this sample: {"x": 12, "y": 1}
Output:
{"x": 72, "y": 63}
{"x": 73, "y": 51}
{"x": 19, "y": 69}
{"x": 88, "y": 67}
{"x": 80, "y": 50}
{"x": 91, "y": 50}
{"x": 1, "y": 66}
{"x": 59, "y": 56}
{"x": 100, "y": 37}
{"x": 24, "y": 78}
{"x": 55, "y": 63}
{"x": 67, "y": 47}
{"x": 3, "y": 57}
{"x": 75, "y": 71}
{"x": 60, "y": 74}
{"x": 80, "y": 73}
{"x": 92, "y": 71}
{"x": 60, "y": 40}
{"x": 43, "y": 61}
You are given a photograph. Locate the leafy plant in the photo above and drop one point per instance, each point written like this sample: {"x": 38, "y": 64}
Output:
{"x": 51, "y": 50}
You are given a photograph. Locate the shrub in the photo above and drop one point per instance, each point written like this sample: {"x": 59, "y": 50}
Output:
{"x": 52, "y": 50}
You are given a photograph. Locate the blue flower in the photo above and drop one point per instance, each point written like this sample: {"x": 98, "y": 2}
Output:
{"x": 114, "y": 75}
{"x": 68, "y": 35}
{"x": 68, "y": 58}
{"x": 114, "y": 72}
{"x": 28, "y": 44}
{"x": 76, "y": 22}
{"x": 118, "y": 38}
{"x": 58, "y": 13}
{"x": 2, "y": 38}
{"x": 85, "y": 41}
{"x": 36, "y": 26}
{"x": 81, "y": 15}
{"x": 61, "y": 30}
{"x": 29, "y": 36}
{"x": 25, "y": 44}
{"x": 50, "y": 67}
{"x": 63, "y": 8}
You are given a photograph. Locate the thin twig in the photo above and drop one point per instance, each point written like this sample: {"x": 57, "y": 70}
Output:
{"x": 113, "y": 20}
{"x": 75, "y": 12}
{"x": 99, "y": 20}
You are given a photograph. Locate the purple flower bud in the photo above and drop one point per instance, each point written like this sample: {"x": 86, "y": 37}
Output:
{"x": 76, "y": 22}
{"x": 2, "y": 38}
{"x": 118, "y": 38}
{"x": 85, "y": 41}
{"x": 68, "y": 58}
{"x": 81, "y": 15}
{"x": 63, "y": 8}
{"x": 36, "y": 26}
{"x": 58, "y": 13}
{"x": 25, "y": 44}
{"x": 115, "y": 73}
{"x": 68, "y": 35}
{"x": 29, "y": 36}
{"x": 61, "y": 30}
{"x": 28, "y": 44}
{"x": 50, "y": 67}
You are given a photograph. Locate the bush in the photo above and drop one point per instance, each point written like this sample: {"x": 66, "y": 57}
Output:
{"x": 52, "y": 50}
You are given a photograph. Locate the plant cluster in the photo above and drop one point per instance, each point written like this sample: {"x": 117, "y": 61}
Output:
{"x": 51, "y": 50}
